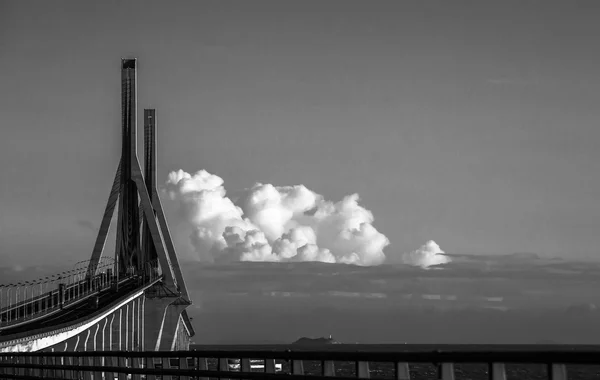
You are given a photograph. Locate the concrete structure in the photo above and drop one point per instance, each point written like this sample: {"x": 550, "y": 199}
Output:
{"x": 139, "y": 303}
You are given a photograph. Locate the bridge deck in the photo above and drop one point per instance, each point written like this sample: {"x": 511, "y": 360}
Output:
{"x": 76, "y": 311}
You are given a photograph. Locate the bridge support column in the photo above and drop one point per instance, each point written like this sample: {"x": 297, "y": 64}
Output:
{"x": 111, "y": 332}
{"x": 127, "y": 326}
{"x": 96, "y": 330}
{"x": 116, "y": 330}
{"x": 161, "y": 323}
{"x": 87, "y": 338}
{"x": 104, "y": 347}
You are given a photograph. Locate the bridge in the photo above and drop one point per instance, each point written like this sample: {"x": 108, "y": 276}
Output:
{"x": 134, "y": 301}
{"x": 124, "y": 317}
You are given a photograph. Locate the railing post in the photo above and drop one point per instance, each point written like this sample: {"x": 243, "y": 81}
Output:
{"x": 402, "y": 371}
{"x": 97, "y": 362}
{"x": 166, "y": 363}
{"x": 150, "y": 365}
{"x": 269, "y": 366}
{"x": 245, "y": 365}
{"x": 362, "y": 370}
{"x": 35, "y": 360}
{"x": 497, "y": 371}
{"x": 87, "y": 374}
{"x": 328, "y": 368}
{"x": 223, "y": 366}
{"x": 183, "y": 364}
{"x": 446, "y": 371}
{"x": 122, "y": 364}
{"x": 69, "y": 373}
{"x": 52, "y": 360}
{"x": 297, "y": 367}
{"x": 61, "y": 295}
{"x": 20, "y": 371}
{"x": 202, "y": 366}
{"x": 557, "y": 371}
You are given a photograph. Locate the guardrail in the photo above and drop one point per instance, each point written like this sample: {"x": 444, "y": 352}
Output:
{"x": 31, "y": 300}
{"x": 218, "y": 362}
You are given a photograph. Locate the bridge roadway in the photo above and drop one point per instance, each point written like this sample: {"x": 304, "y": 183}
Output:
{"x": 73, "y": 312}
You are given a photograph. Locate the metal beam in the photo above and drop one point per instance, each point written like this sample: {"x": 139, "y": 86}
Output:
{"x": 157, "y": 238}
{"x": 105, "y": 224}
{"x": 150, "y": 132}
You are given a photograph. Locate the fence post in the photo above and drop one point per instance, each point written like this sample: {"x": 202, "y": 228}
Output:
{"x": 183, "y": 364}
{"x": 97, "y": 362}
{"x": 402, "y": 371}
{"x": 446, "y": 371}
{"x": 270, "y": 365}
{"x": 20, "y": 371}
{"x": 122, "y": 364}
{"x": 52, "y": 360}
{"x": 497, "y": 371}
{"x": 167, "y": 364}
{"x": 202, "y": 366}
{"x": 328, "y": 367}
{"x": 150, "y": 365}
{"x": 557, "y": 371}
{"x": 135, "y": 363}
{"x": 87, "y": 361}
{"x": 69, "y": 374}
{"x": 297, "y": 367}
{"x": 38, "y": 371}
{"x": 245, "y": 365}
{"x": 362, "y": 370}
{"x": 223, "y": 364}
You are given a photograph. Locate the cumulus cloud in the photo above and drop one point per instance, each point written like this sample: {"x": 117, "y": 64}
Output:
{"x": 282, "y": 224}
{"x": 274, "y": 223}
{"x": 429, "y": 254}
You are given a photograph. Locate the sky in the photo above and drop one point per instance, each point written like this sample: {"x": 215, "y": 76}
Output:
{"x": 471, "y": 123}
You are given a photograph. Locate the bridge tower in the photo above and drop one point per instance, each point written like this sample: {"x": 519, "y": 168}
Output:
{"x": 143, "y": 236}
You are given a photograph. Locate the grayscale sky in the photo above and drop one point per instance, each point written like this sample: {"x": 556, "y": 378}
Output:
{"x": 472, "y": 123}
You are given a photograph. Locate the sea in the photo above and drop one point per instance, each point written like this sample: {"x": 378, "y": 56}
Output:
{"x": 420, "y": 371}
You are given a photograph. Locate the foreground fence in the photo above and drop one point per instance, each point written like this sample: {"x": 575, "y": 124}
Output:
{"x": 240, "y": 362}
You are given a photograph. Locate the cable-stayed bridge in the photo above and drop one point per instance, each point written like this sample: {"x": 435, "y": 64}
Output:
{"x": 134, "y": 301}
{"x": 125, "y": 317}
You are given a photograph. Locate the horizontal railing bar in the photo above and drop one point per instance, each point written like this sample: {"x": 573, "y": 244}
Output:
{"x": 25, "y": 377}
{"x": 54, "y": 292}
{"x": 39, "y": 316}
{"x": 171, "y": 372}
{"x": 366, "y": 353}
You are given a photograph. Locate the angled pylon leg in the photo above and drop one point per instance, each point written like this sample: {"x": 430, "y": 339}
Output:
{"x": 170, "y": 247}
{"x": 157, "y": 238}
{"x": 150, "y": 158}
{"x": 105, "y": 224}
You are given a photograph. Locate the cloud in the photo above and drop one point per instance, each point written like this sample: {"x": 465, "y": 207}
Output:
{"x": 428, "y": 255}
{"x": 274, "y": 223}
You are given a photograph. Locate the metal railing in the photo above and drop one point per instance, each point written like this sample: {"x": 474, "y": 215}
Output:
{"x": 218, "y": 361}
{"x": 31, "y": 300}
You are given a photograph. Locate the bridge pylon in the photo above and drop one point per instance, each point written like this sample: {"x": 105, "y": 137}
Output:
{"x": 138, "y": 301}
{"x": 143, "y": 239}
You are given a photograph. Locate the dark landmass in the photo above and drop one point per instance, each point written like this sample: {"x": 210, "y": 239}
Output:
{"x": 315, "y": 341}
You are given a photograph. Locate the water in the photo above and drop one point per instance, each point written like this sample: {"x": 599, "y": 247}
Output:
{"x": 421, "y": 371}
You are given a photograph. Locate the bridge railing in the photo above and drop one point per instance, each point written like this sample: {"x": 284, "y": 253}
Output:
{"x": 29, "y": 300}
{"x": 220, "y": 363}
